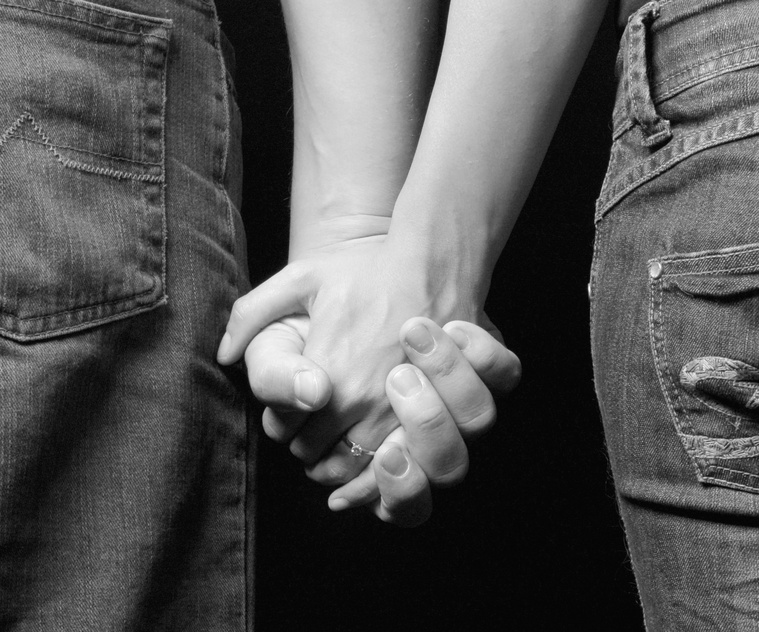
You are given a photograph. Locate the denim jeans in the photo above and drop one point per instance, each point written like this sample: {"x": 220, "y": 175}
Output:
{"x": 675, "y": 310}
{"x": 125, "y": 497}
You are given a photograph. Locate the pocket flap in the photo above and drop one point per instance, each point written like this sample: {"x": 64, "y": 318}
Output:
{"x": 719, "y": 286}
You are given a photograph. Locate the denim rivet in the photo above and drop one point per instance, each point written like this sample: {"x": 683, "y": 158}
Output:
{"x": 589, "y": 292}
{"x": 654, "y": 270}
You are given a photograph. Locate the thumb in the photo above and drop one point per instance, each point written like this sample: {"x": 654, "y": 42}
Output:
{"x": 280, "y": 375}
{"x": 286, "y": 293}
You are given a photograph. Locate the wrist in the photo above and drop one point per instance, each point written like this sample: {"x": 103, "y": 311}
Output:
{"x": 327, "y": 211}
{"x": 315, "y": 235}
{"x": 453, "y": 285}
{"x": 458, "y": 245}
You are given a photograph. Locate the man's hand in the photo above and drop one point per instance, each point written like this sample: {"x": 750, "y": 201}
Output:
{"x": 449, "y": 397}
{"x": 453, "y": 380}
{"x": 356, "y": 297}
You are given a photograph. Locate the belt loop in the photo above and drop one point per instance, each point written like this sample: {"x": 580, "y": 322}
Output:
{"x": 640, "y": 106}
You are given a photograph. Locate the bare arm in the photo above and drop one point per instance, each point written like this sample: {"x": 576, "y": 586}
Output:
{"x": 362, "y": 74}
{"x": 506, "y": 70}
{"x": 505, "y": 75}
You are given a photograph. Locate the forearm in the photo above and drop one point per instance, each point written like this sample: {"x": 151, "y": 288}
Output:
{"x": 362, "y": 72}
{"x": 506, "y": 71}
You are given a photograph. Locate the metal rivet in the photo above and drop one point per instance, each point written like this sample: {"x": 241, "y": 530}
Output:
{"x": 589, "y": 292}
{"x": 654, "y": 270}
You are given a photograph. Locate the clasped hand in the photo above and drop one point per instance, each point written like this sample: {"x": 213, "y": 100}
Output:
{"x": 321, "y": 343}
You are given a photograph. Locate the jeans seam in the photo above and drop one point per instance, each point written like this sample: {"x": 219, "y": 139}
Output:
{"x": 661, "y": 365}
{"x": 114, "y": 13}
{"x": 120, "y": 315}
{"x": 717, "y": 255}
{"x": 704, "y": 447}
{"x": 67, "y": 162}
{"x": 670, "y": 92}
{"x": 73, "y": 310}
{"x": 683, "y": 428}
{"x": 138, "y": 33}
{"x": 732, "y": 471}
{"x": 713, "y": 272}
{"x": 87, "y": 151}
{"x": 159, "y": 23}
{"x": 629, "y": 181}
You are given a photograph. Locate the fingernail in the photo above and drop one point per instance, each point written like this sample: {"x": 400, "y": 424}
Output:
{"x": 420, "y": 339}
{"x": 394, "y": 462}
{"x": 305, "y": 387}
{"x": 224, "y": 347}
{"x": 338, "y": 504}
{"x": 406, "y": 382}
{"x": 459, "y": 337}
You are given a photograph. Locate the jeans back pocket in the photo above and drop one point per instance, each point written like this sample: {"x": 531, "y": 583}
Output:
{"x": 82, "y": 214}
{"x": 704, "y": 323}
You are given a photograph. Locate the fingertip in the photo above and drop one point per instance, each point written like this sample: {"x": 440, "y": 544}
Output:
{"x": 405, "y": 380}
{"x": 454, "y": 475}
{"x": 281, "y": 377}
{"x": 458, "y": 335}
{"x": 359, "y": 491}
{"x": 306, "y": 388}
{"x": 514, "y": 373}
{"x": 225, "y": 348}
{"x": 312, "y": 387}
{"x": 404, "y": 489}
{"x": 338, "y": 503}
{"x": 395, "y": 462}
{"x": 497, "y": 366}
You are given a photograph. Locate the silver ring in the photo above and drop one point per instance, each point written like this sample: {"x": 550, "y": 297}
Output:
{"x": 356, "y": 449}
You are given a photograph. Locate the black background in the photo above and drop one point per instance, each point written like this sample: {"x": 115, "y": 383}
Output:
{"x": 531, "y": 540}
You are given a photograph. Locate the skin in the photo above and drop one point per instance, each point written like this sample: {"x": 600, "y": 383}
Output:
{"x": 403, "y": 198}
{"x": 453, "y": 400}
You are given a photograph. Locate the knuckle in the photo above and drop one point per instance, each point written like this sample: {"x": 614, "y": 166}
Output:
{"x": 296, "y": 272}
{"x": 481, "y": 420}
{"x": 300, "y": 452}
{"x": 333, "y": 472}
{"x": 266, "y": 383}
{"x": 490, "y": 361}
{"x": 430, "y": 420}
{"x": 451, "y": 474}
{"x": 241, "y": 309}
{"x": 274, "y": 430}
{"x": 445, "y": 365}
{"x": 514, "y": 374}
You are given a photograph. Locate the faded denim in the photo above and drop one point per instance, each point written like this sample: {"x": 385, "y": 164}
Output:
{"x": 125, "y": 496}
{"x": 675, "y": 310}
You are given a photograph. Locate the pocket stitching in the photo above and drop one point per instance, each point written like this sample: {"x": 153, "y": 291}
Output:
{"x": 746, "y": 249}
{"x": 87, "y": 151}
{"x": 713, "y": 272}
{"x": 15, "y": 335}
{"x": 683, "y": 427}
{"x": 28, "y": 328}
{"x": 677, "y": 151}
{"x": 139, "y": 21}
{"x": 67, "y": 162}
{"x": 73, "y": 310}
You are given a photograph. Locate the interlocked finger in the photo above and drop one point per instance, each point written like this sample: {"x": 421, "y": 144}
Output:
{"x": 464, "y": 394}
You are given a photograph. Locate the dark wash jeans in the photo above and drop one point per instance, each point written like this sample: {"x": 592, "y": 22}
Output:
{"x": 125, "y": 497}
{"x": 675, "y": 310}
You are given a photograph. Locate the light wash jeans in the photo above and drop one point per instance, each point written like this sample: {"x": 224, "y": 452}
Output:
{"x": 125, "y": 502}
{"x": 675, "y": 310}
